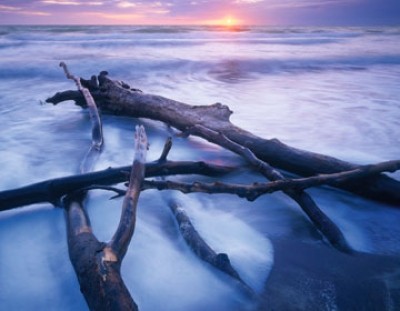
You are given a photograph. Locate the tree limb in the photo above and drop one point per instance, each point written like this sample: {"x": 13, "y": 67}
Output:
{"x": 113, "y": 98}
{"x": 53, "y": 189}
{"x": 202, "y": 249}
{"x": 97, "y": 268}
{"x": 122, "y": 237}
{"x": 323, "y": 223}
{"x": 252, "y": 191}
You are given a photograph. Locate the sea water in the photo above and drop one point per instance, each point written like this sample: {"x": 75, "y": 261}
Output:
{"x": 329, "y": 90}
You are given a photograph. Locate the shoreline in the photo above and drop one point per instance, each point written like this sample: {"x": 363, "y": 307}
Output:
{"x": 308, "y": 276}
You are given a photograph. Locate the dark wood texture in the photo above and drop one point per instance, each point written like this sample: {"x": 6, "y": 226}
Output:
{"x": 117, "y": 98}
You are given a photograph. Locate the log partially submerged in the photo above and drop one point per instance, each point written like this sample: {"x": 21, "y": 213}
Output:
{"x": 252, "y": 191}
{"x": 53, "y": 189}
{"x": 322, "y": 222}
{"x": 98, "y": 265}
{"x": 194, "y": 240}
{"x": 117, "y": 98}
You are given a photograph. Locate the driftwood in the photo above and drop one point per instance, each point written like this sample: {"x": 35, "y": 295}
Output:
{"x": 97, "y": 265}
{"x": 253, "y": 191}
{"x": 212, "y": 123}
{"x": 306, "y": 203}
{"x": 118, "y": 98}
{"x": 53, "y": 189}
{"x": 194, "y": 240}
{"x": 220, "y": 261}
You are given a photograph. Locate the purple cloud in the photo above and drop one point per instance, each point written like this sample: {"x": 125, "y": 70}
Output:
{"x": 281, "y": 12}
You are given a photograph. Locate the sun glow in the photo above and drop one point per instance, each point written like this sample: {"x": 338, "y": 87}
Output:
{"x": 229, "y": 22}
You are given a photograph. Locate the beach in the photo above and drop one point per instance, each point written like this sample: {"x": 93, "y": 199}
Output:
{"x": 331, "y": 90}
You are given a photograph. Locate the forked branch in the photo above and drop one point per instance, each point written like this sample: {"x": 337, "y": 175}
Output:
{"x": 122, "y": 237}
{"x": 325, "y": 225}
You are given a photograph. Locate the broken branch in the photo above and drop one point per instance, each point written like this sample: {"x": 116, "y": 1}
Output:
{"x": 113, "y": 98}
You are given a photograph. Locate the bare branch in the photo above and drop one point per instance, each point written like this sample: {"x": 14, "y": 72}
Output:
{"x": 166, "y": 150}
{"x": 326, "y": 226}
{"x": 122, "y": 237}
{"x": 97, "y": 135}
{"x": 53, "y": 189}
{"x": 252, "y": 191}
{"x": 216, "y": 118}
{"x": 202, "y": 249}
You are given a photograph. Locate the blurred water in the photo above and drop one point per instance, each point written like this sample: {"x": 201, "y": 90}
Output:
{"x": 329, "y": 90}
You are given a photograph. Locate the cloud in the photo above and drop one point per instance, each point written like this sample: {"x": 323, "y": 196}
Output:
{"x": 8, "y": 8}
{"x": 18, "y": 10}
{"x": 291, "y": 4}
{"x": 248, "y": 1}
{"x": 34, "y": 13}
{"x": 113, "y": 16}
{"x": 75, "y": 3}
{"x": 126, "y": 4}
{"x": 159, "y": 11}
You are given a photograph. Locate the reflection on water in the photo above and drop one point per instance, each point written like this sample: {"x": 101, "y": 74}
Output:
{"x": 329, "y": 90}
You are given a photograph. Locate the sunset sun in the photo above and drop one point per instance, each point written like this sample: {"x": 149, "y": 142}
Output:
{"x": 229, "y": 21}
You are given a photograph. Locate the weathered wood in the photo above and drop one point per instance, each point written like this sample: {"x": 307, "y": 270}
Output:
{"x": 116, "y": 99}
{"x": 252, "y": 191}
{"x": 98, "y": 272}
{"x": 122, "y": 237}
{"x": 193, "y": 239}
{"x": 97, "y": 265}
{"x": 323, "y": 223}
{"x": 53, "y": 189}
{"x": 97, "y": 131}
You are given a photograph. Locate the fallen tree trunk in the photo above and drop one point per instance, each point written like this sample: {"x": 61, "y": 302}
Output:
{"x": 323, "y": 223}
{"x": 53, "y": 189}
{"x": 97, "y": 265}
{"x": 252, "y": 191}
{"x": 193, "y": 239}
{"x": 117, "y": 98}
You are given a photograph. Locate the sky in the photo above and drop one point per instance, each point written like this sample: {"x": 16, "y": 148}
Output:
{"x": 250, "y": 12}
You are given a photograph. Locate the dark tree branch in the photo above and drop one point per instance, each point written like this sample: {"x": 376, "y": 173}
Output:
{"x": 202, "y": 249}
{"x": 253, "y": 191}
{"x": 323, "y": 223}
{"x": 122, "y": 237}
{"x": 96, "y": 266}
{"x": 166, "y": 150}
{"x": 53, "y": 189}
{"x": 112, "y": 97}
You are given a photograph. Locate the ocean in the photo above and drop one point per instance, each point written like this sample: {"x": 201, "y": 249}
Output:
{"x": 334, "y": 91}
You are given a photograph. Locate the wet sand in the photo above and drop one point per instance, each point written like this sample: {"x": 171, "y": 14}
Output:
{"x": 309, "y": 276}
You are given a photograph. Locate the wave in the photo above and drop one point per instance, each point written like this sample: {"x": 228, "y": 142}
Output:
{"x": 90, "y": 41}
{"x": 168, "y": 36}
{"x": 226, "y": 70}
{"x": 236, "y": 71}
{"x": 172, "y": 29}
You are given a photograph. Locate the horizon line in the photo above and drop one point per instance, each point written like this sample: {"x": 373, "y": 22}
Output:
{"x": 238, "y": 26}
